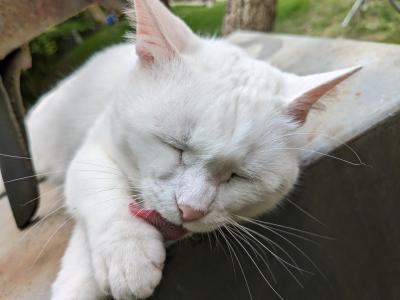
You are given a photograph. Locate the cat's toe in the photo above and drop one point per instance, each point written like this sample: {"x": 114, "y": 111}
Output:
{"x": 134, "y": 275}
{"x": 139, "y": 279}
{"x": 131, "y": 267}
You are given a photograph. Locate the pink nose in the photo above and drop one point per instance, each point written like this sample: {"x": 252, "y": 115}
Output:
{"x": 189, "y": 214}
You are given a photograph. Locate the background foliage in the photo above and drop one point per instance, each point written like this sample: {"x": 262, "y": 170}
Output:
{"x": 61, "y": 49}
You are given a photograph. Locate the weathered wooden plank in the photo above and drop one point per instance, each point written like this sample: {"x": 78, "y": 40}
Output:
{"x": 22, "y": 20}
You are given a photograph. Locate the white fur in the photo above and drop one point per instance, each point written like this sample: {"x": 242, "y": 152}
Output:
{"x": 81, "y": 285}
{"x": 116, "y": 124}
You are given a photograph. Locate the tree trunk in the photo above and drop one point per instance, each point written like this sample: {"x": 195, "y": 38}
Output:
{"x": 166, "y": 3}
{"x": 250, "y": 15}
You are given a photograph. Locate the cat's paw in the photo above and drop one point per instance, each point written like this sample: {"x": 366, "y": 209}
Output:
{"x": 130, "y": 266}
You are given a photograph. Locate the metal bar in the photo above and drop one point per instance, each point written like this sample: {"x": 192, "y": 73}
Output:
{"x": 15, "y": 163}
{"x": 356, "y": 6}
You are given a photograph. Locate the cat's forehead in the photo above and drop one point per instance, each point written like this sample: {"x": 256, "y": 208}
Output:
{"x": 215, "y": 100}
{"x": 224, "y": 132}
{"x": 230, "y": 102}
{"x": 233, "y": 66}
{"x": 235, "y": 119}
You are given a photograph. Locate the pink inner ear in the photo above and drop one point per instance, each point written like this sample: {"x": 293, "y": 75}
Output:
{"x": 320, "y": 85}
{"x": 160, "y": 34}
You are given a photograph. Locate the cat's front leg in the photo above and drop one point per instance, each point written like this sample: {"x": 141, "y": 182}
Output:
{"x": 127, "y": 253}
{"x": 75, "y": 280}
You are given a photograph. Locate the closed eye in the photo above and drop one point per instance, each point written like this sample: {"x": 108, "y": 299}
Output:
{"x": 178, "y": 150}
{"x": 235, "y": 176}
{"x": 173, "y": 146}
{"x": 180, "y": 153}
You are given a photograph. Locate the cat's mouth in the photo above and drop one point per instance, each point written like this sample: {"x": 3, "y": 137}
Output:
{"x": 169, "y": 231}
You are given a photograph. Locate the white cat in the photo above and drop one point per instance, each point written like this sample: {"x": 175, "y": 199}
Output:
{"x": 191, "y": 128}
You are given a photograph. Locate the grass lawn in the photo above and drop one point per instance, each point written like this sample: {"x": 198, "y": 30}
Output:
{"x": 378, "y": 21}
{"x": 203, "y": 20}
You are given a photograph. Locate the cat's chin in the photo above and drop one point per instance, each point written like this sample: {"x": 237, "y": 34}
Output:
{"x": 202, "y": 227}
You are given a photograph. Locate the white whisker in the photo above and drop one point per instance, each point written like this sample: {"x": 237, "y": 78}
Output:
{"x": 238, "y": 261}
{"x": 255, "y": 264}
{"x": 321, "y": 153}
{"x": 339, "y": 142}
{"x": 285, "y": 227}
{"x": 49, "y": 239}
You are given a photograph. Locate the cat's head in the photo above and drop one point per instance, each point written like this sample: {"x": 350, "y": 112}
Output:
{"x": 208, "y": 132}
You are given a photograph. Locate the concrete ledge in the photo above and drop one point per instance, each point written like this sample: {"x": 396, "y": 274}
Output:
{"x": 29, "y": 259}
{"x": 359, "y": 103}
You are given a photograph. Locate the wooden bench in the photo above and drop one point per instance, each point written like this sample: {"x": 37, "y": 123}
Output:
{"x": 20, "y": 22}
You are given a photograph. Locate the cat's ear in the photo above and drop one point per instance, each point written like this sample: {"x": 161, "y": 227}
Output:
{"x": 160, "y": 35}
{"x": 304, "y": 91}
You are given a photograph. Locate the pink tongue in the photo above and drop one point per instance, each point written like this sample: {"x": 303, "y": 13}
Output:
{"x": 169, "y": 231}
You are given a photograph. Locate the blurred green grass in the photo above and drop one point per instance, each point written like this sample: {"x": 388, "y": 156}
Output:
{"x": 203, "y": 20}
{"x": 378, "y": 21}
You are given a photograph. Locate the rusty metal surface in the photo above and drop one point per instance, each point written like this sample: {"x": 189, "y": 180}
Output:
{"x": 357, "y": 207}
{"x": 14, "y": 161}
{"x": 22, "y": 20}
{"x": 21, "y": 61}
